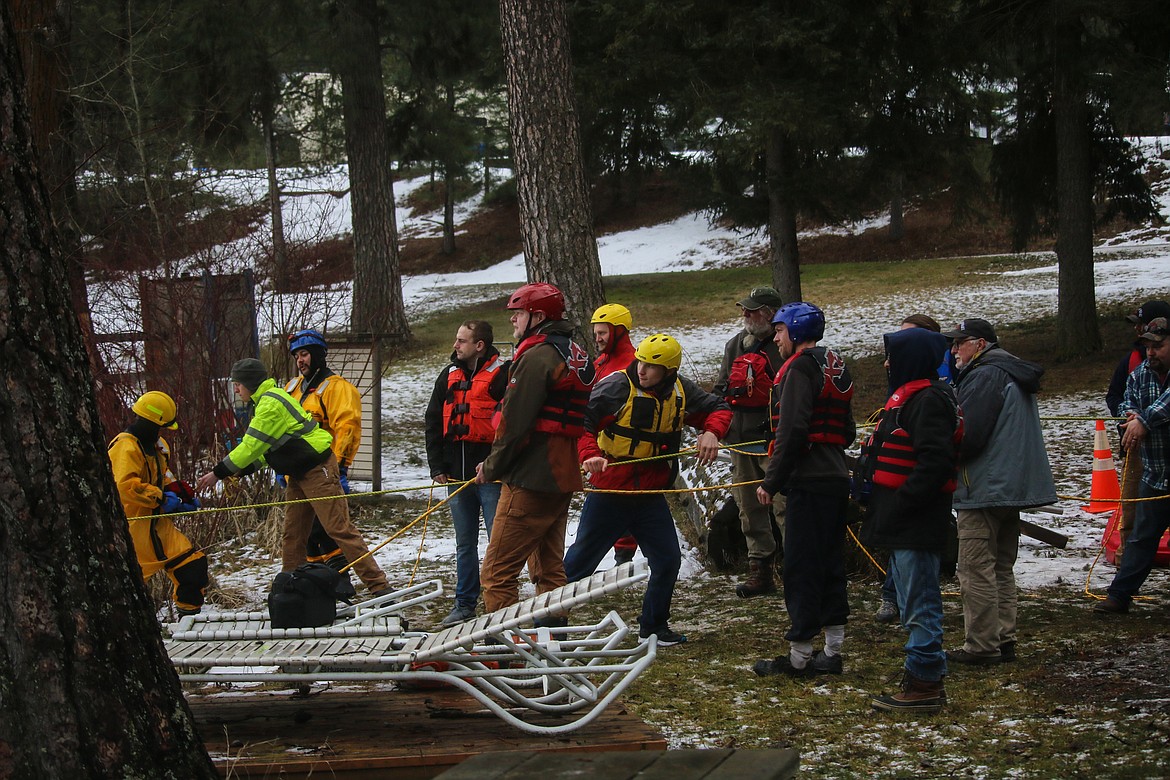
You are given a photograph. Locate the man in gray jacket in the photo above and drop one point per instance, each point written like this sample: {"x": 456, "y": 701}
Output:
{"x": 1003, "y": 468}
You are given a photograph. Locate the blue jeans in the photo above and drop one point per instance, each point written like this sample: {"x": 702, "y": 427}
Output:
{"x": 1150, "y": 523}
{"x": 604, "y": 519}
{"x": 889, "y": 592}
{"x": 466, "y": 508}
{"x": 915, "y": 575}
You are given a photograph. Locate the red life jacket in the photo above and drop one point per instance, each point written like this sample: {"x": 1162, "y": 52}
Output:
{"x": 894, "y": 455}
{"x": 563, "y": 413}
{"x": 830, "y": 413}
{"x": 1136, "y": 358}
{"x": 749, "y": 380}
{"x": 469, "y": 408}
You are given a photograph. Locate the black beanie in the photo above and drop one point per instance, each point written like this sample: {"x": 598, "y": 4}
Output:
{"x": 250, "y": 373}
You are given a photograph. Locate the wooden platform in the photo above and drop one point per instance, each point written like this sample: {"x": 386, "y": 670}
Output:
{"x": 722, "y": 764}
{"x": 381, "y": 733}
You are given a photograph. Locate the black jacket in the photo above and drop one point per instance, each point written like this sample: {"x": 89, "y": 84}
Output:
{"x": 917, "y": 514}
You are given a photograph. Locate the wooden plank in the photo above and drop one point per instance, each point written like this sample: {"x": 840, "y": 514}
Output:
{"x": 724, "y": 764}
{"x": 379, "y": 733}
{"x": 771, "y": 764}
{"x": 1042, "y": 534}
{"x": 678, "y": 764}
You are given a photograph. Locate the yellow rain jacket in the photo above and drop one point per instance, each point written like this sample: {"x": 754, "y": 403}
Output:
{"x": 336, "y": 405}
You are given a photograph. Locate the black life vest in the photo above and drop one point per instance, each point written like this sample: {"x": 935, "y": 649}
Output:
{"x": 830, "y": 413}
{"x": 893, "y": 455}
{"x": 563, "y": 412}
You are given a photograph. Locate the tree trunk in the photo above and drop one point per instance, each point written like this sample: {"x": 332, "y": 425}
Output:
{"x": 897, "y": 206}
{"x": 782, "y": 249}
{"x": 280, "y": 271}
{"x": 85, "y": 684}
{"x": 1076, "y": 290}
{"x": 448, "y": 247}
{"x": 556, "y": 216}
{"x": 377, "y": 282}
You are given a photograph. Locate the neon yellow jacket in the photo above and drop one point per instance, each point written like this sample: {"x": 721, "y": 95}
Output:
{"x": 281, "y": 433}
{"x": 337, "y": 406}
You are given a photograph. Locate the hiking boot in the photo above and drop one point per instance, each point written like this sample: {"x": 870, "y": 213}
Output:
{"x": 916, "y": 696}
{"x": 887, "y": 612}
{"x": 760, "y": 579}
{"x": 1110, "y": 606}
{"x": 458, "y": 615}
{"x": 1007, "y": 652}
{"x": 826, "y": 664}
{"x": 782, "y": 665}
{"x": 968, "y": 658}
{"x": 622, "y": 556}
{"x": 666, "y": 637}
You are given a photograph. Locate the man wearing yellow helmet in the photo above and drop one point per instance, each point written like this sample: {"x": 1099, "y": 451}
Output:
{"x": 139, "y": 459}
{"x": 633, "y": 415}
{"x": 612, "y": 324}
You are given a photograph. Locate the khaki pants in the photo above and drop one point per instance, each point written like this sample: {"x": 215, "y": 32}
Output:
{"x": 1131, "y": 479}
{"x": 989, "y": 541}
{"x": 529, "y": 526}
{"x": 754, "y": 519}
{"x": 322, "y": 481}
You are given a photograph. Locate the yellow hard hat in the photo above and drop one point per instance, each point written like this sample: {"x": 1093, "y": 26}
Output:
{"x": 157, "y": 407}
{"x": 660, "y": 350}
{"x": 613, "y": 314}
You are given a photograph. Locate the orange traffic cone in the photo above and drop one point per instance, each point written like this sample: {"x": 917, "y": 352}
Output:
{"x": 1105, "y": 489}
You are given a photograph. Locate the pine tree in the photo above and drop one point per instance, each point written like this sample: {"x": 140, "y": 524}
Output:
{"x": 86, "y": 687}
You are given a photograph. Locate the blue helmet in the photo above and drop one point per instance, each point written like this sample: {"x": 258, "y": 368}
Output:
{"x": 804, "y": 321}
{"x": 303, "y": 339}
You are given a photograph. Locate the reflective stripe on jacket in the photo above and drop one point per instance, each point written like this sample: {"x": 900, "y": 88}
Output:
{"x": 280, "y": 433}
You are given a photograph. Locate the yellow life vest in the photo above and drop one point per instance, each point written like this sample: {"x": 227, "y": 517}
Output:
{"x": 647, "y": 425}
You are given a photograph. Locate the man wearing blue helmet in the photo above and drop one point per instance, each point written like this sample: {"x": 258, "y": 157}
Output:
{"x": 813, "y": 424}
{"x": 336, "y": 405}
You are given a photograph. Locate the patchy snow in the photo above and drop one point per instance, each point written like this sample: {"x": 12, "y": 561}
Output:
{"x": 1129, "y": 267}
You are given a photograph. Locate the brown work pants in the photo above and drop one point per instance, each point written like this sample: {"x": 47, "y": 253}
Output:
{"x": 333, "y": 513}
{"x": 529, "y": 526}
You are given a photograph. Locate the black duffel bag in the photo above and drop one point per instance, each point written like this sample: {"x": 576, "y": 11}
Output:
{"x": 304, "y": 598}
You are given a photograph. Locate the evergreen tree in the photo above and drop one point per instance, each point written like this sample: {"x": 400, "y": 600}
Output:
{"x": 555, "y": 210}
{"x": 86, "y": 686}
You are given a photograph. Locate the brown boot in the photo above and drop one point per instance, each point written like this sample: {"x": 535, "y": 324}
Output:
{"x": 760, "y": 579}
{"x": 916, "y": 696}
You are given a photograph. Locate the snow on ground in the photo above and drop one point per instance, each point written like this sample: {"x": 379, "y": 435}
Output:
{"x": 1136, "y": 265}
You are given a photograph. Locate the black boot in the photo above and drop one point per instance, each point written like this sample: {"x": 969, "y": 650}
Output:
{"x": 760, "y": 579}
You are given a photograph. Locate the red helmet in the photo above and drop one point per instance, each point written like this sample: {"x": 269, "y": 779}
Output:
{"x": 542, "y": 297}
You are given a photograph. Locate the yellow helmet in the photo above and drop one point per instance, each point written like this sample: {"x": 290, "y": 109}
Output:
{"x": 158, "y": 408}
{"x": 613, "y": 314}
{"x": 660, "y": 350}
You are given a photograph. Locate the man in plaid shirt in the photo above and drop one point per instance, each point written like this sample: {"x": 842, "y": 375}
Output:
{"x": 1147, "y": 410}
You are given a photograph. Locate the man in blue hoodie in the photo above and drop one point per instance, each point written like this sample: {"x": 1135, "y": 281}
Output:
{"x": 1003, "y": 468}
{"x": 912, "y": 461}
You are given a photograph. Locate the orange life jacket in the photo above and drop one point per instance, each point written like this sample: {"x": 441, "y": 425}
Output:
{"x": 469, "y": 408}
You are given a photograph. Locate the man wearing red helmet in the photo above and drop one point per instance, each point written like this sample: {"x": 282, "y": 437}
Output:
{"x": 535, "y": 450}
